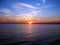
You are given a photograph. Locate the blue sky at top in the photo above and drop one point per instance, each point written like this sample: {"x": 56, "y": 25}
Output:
{"x": 30, "y": 8}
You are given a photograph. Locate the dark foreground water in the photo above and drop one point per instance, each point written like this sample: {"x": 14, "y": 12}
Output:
{"x": 30, "y": 34}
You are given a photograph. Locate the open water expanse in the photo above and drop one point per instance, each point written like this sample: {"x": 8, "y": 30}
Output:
{"x": 29, "y": 34}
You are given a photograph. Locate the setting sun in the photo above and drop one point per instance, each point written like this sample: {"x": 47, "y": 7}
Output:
{"x": 30, "y": 22}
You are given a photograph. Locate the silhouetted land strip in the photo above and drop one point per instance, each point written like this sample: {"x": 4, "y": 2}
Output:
{"x": 25, "y": 23}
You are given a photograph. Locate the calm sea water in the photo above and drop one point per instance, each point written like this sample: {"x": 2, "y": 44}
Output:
{"x": 42, "y": 33}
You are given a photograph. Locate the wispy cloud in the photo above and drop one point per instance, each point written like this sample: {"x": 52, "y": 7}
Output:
{"x": 47, "y": 6}
{"x": 43, "y": 1}
{"x": 27, "y": 5}
{"x": 29, "y": 16}
{"x": 24, "y": 17}
{"x": 6, "y": 11}
{"x": 24, "y": 8}
{"x": 32, "y": 11}
{"x": 19, "y": 5}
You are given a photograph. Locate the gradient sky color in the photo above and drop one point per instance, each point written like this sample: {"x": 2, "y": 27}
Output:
{"x": 30, "y": 9}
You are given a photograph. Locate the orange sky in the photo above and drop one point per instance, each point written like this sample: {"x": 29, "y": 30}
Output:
{"x": 40, "y": 20}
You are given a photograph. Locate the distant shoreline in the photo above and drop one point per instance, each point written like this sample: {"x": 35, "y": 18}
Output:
{"x": 28, "y": 23}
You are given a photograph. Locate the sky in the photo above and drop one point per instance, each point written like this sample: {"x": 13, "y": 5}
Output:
{"x": 30, "y": 9}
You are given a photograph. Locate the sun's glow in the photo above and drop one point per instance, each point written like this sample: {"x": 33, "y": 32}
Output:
{"x": 30, "y": 22}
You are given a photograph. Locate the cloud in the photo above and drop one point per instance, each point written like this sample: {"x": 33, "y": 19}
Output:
{"x": 32, "y": 11}
{"x": 24, "y": 8}
{"x": 26, "y": 5}
{"x": 47, "y": 6}
{"x": 29, "y": 16}
{"x": 6, "y": 11}
{"x": 43, "y": 1}
{"x": 25, "y": 17}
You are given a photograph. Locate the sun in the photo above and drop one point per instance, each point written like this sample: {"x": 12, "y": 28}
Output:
{"x": 30, "y": 22}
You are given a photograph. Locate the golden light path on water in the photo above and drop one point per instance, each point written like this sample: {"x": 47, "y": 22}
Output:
{"x": 24, "y": 28}
{"x": 25, "y": 31}
{"x": 28, "y": 30}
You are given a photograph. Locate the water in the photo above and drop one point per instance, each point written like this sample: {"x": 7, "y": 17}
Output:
{"x": 42, "y": 33}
